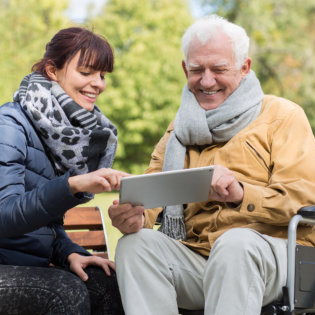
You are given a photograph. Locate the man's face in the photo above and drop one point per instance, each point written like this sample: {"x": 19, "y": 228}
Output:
{"x": 211, "y": 71}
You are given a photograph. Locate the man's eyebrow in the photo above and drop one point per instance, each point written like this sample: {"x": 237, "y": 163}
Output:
{"x": 222, "y": 64}
{"x": 191, "y": 65}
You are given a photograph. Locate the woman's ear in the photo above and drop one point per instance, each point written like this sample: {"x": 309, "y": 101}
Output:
{"x": 51, "y": 71}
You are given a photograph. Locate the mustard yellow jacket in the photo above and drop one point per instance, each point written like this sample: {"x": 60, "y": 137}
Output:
{"x": 273, "y": 158}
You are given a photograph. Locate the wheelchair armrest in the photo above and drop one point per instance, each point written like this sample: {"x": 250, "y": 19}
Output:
{"x": 304, "y": 215}
{"x": 307, "y": 212}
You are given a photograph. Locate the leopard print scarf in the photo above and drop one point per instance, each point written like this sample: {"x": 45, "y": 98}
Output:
{"x": 75, "y": 138}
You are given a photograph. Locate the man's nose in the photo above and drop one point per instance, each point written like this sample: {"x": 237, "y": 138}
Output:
{"x": 208, "y": 79}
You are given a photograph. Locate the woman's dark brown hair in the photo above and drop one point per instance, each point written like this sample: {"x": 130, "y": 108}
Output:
{"x": 95, "y": 51}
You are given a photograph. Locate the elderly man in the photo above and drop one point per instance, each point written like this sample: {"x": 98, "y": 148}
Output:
{"x": 227, "y": 255}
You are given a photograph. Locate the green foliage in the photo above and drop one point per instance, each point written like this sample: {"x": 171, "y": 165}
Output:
{"x": 282, "y": 45}
{"x": 25, "y": 28}
{"x": 144, "y": 90}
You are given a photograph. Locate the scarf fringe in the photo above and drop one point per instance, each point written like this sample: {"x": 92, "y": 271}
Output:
{"x": 174, "y": 227}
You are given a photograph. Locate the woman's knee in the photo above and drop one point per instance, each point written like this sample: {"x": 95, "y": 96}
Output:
{"x": 43, "y": 290}
{"x": 70, "y": 292}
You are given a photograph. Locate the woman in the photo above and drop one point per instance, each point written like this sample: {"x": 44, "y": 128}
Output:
{"x": 56, "y": 150}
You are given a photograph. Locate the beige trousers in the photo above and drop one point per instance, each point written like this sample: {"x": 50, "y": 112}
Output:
{"x": 157, "y": 274}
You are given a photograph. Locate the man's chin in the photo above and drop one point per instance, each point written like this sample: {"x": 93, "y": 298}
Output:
{"x": 209, "y": 105}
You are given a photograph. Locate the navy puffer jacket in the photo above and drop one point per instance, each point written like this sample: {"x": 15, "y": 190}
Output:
{"x": 33, "y": 199}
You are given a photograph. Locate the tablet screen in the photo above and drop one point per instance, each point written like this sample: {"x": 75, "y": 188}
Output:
{"x": 167, "y": 188}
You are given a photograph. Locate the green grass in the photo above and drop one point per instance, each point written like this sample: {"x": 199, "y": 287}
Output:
{"x": 103, "y": 201}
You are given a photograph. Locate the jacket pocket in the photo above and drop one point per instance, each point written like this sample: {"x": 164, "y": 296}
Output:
{"x": 255, "y": 153}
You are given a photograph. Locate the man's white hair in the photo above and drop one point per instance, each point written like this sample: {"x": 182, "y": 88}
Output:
{"x": 208, "y": 28}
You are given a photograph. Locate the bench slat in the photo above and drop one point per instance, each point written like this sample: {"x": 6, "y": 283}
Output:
{"x": 88, "y": 239}
{"x": 83, "y": 217}
{"x": 84, "y": 227}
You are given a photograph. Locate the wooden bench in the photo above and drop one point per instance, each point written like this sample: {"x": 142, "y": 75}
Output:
{"x": 85, "y": 227}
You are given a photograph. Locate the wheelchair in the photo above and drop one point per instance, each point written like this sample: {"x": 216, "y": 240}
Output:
{"x": 299, "y": 292}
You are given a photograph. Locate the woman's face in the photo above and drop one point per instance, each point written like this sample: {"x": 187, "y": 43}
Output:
{"x": 82, "y": 83}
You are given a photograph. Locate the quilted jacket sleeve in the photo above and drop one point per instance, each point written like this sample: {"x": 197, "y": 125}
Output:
{"x": 27, "y": 205}
{"x": 63, "y": 247}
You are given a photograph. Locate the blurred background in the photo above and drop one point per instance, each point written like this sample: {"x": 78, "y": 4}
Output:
{"x": 143, "y": 92}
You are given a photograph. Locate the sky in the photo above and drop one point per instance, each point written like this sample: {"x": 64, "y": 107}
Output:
{"x": 78, "y": 8}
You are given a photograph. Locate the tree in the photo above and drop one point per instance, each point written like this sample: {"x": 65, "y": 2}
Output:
{"x": 25, "y": 28}
{"x": 144, "y": 90}
{"x": 282, "y": 44}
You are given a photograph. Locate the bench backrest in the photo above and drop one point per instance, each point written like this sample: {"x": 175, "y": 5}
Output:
{"x": 84, "y": 226}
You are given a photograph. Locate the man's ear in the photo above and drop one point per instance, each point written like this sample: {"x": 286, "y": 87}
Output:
{"x": 51, "y": 71}
{"x": 246, "y": 67}
{"x": 185, "y": 68}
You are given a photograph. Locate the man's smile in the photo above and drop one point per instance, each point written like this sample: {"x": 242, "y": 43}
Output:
{"x": 209, "y": 92}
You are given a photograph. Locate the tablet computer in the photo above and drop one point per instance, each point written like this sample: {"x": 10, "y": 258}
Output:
{"x": 167, "y": 188}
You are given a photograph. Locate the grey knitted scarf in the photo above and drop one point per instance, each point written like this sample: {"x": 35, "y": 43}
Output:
{"x": 195, "y": 126}
{"x": 74, "y": 137}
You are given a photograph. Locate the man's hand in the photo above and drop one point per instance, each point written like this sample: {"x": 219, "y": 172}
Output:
{"x": 225, "y": 187}
{"x": 78, "y": 263}
{"x": 126, "y": 218}
{"x": 104, "y": 179}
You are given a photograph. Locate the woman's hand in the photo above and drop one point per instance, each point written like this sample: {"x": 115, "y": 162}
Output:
{"x": 104, "y": 179}
{"x": 78, "y": 263}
